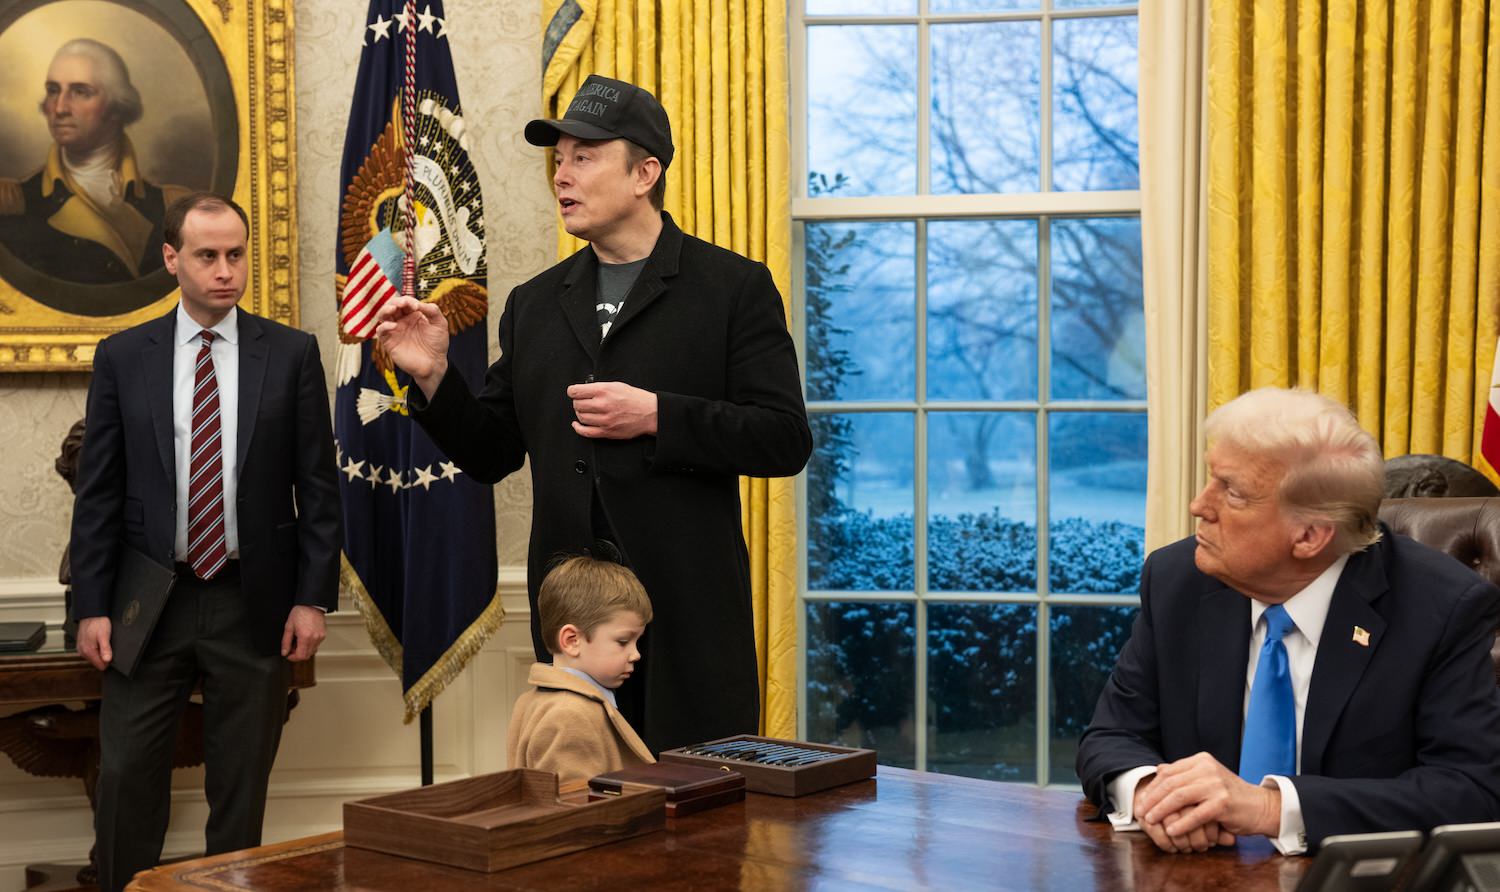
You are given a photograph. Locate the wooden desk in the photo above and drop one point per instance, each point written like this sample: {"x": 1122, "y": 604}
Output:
{"x": 49, "y": 738}
{"x": 906, "y": 830}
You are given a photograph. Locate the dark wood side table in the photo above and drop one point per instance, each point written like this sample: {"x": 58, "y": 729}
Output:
{"x": 904, "y": 830}
{"x": 52, "y": 695}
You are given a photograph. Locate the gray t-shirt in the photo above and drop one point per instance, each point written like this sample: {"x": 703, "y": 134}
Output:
{"x": 615, "y": 281}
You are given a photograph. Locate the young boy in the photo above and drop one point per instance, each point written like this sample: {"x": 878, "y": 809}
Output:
{"x": 592, "y": 613}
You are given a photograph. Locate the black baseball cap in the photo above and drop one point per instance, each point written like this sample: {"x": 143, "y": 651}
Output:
{"x": 604, "y": 108}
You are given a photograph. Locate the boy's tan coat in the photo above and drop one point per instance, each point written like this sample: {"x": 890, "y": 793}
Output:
{"x": 564, "y": 725}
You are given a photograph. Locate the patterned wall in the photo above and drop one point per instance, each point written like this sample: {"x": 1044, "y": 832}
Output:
{"x": 496, "y": 52}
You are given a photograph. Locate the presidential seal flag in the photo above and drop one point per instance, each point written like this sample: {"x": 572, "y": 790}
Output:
{"x": 419, "y": 535}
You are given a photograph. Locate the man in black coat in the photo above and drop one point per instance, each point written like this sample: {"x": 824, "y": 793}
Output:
{"x": 1390, "y": 705}
{"x": 640, "y": 376}
{"x": 208, "y": 447}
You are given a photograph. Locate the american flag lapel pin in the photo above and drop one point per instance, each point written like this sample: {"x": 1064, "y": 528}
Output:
{"x": 1361, "y": 637}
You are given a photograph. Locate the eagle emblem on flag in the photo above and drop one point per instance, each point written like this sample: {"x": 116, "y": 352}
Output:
{"x": 447, "y": 241}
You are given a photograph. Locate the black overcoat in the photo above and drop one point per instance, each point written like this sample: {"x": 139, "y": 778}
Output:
{"x": 705, "y": 330}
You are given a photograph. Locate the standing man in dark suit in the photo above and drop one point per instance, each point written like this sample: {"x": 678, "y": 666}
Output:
{"x": 1296, "y": 670}
{"x": 208, "y": 445}
{"x": 641, "y": 376}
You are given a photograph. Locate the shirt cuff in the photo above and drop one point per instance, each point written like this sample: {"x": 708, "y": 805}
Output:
{"x": 1121, "y": 792}
{"x": 1292, "y": 838}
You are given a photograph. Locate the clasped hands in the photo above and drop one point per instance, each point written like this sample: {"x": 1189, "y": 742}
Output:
{"x": 1195, "y": 803}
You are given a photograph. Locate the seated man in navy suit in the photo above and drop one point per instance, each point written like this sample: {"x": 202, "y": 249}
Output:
{"x": 1297, "y": 670}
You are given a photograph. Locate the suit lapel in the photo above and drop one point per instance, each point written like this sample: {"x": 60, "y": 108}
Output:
{"x": 580, "y": 301}
{"x": 1223, "y": 658}
{"x": 253, "y": 352}
{"x": 661, "y": 265}
{"x": 645, "y": 292}
{"x": 157, "y": 359}
{"x": 1341, "y": 661}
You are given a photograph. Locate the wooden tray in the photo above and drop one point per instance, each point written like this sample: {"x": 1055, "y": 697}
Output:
{"x": 689, "y": 788}
{"x": 847, "y": 766}
{"x": 495, "y": 821}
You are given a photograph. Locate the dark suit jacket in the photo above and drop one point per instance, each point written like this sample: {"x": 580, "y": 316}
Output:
{"x": 287, "y": 495}
{"x": 1401, "y": 735}
{"x": 705, "y": 329}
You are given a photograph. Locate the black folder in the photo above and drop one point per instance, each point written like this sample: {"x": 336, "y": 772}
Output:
{"x": 22, "y": 637}
{"x": 142, "y": 587}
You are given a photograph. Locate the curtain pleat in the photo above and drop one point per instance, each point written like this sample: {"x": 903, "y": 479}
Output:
{"x": 1352, "y": 210}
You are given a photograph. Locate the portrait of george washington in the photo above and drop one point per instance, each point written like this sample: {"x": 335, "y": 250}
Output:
{"x": 107, "y": 118}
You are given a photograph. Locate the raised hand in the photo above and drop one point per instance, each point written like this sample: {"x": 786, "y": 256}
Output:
{"x": 415, "y": 334}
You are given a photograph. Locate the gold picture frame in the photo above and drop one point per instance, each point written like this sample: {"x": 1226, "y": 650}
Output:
{"x": 215, "y": 111}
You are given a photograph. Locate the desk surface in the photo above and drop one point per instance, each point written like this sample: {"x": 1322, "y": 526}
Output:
{"x": 905, "y": 830}
{"x": 55, "y": 674}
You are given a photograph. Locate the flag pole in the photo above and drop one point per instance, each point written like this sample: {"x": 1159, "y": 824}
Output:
{"x": 409, "y": 264}
{"x": 425, "y": 722}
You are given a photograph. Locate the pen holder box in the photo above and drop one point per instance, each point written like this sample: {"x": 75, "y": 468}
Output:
{"x": 824, "y": 765}
{"x": 689, "y": 788}
{"x": 495, "y": 821}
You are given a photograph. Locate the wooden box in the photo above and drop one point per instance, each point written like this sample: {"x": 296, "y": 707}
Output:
{"x": 689, "y": 788}
{"x": 844, "y": 765}
{"x": 495, "y": 821}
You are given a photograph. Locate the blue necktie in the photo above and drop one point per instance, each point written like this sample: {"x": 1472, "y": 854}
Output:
{"x": 1270, "y": 745}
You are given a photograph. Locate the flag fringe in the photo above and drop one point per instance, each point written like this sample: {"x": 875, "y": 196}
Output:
{"x": 447, "y": 667}
{"x": 385, "y": 641}
{"x": 455, "y": 659}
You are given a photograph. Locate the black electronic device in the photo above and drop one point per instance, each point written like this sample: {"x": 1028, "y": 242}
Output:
{"x": 1361, "y": 862}
{"x": 1459, "y": 858}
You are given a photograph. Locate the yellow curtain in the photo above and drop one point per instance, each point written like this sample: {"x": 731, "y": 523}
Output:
{"x": 719, "y": 67}
{"x": 1354, "y": 209}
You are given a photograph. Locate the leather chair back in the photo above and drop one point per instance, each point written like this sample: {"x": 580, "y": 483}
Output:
{"x": 1467, "y": 529}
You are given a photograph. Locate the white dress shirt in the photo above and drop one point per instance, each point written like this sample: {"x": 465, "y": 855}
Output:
{"x": 1308, "y": 610}
{"x": 226, "y": 356}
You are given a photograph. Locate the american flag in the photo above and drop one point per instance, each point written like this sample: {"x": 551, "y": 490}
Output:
{"x": 374, "y": 279}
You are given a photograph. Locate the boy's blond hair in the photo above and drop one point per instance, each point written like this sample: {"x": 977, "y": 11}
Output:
{"x": 585, "y": 591}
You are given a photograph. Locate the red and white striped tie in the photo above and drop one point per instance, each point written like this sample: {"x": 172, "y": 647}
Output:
{"x": 207, "y": 551}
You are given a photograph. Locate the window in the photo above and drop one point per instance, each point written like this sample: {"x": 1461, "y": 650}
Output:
{"x": 970, "y": 312}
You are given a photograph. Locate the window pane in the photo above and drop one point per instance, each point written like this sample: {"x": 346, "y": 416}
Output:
{"x": 981, "y": 310}
{"x": 1084, "y": 4}
{"x": 861, "y": 678}
{"x": 981, "y": 683}
{"x": 1098, "y": 322}
{"x": 1085, "y": 643}
{"x": 950, "y": 6}
{"x": 861, "y": 7}
{"x": 862, "y": 108}
{"x": 1095, "y": 143}
{"x": 861, "y": 286}
{"x": 981, "y": 501}
{"x": 986, "y": 107}
{"x": 1097, "y": 500}
{"x": 860, "y": 502}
